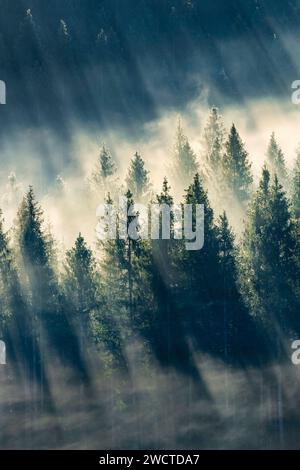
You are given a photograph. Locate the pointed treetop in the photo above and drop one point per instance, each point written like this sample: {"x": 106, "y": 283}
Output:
{"x": 265, "y": 180}
{"x": 138, "y": 180}
{"x": 225, "y": 235}
{"x": 107, "y": 165}
{"x": 165, "y": 197}
{"x": 276, "y": 159}
{"x": 196, "y": 193}
{"x": 213, "y": 139}
{"x": 184, "y": 165}
{"x": 236, "y": 167}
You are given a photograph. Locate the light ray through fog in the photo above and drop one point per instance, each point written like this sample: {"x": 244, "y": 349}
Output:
{"x": 65, "y": 209}
{"x": 130, "y": 346}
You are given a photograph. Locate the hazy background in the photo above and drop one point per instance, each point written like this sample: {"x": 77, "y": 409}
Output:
{"x": 80, "y": 73}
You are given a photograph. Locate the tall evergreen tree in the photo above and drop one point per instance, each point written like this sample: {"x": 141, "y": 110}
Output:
{"x": 107, "y": 165}
{"x": 36, "y": 253}
{"x": 203, "y": 284}
{"x": 117, "y": 263}
{"x": 81, "y": 286}
{"x": 295, "y": 189}
{"x": 20, "y": 331}
{"x": 137, "y": 180}
{"x": 227, "y": 262}
{"x": 16, "y": 321}
{"x": 104, "y": 176}
{"x": 36, "y": 249}
{"x": 164, "y": 328}
{"x": 236, "y": 167}
{"x": 268, "y": 263}
{"x": 184, "y": 163}
{"x": 238, "y": 328}
{"x": 276, "y": 161}
{"x": 213, "y": 140}
{"x": 86, "y": 303}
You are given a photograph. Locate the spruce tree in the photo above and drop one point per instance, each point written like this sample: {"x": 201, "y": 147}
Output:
{"x": 165, "y": 196}
{"x": 16, "y": 321}
{"x": 238, "y": 331}
{"x": 295, "y": 189}
{"x": 36, "y": 249}
{"x": 19, "y": 328}
{"x": 213, "y": 140}
{"x": 184, "y": 164}
{"x": 117, "y": 260}
{"x": 196, "y": 194}
{"x": 81, "y": 286}
{"x": 268, "y": 263}
{"x": 236, "y": 167}
{"x": 276, "y": 161}
{"x": 249, "y": 265}
{"x": 203, "y": 282}
{"x": 107, "y": 165}
{"x": 161, "y": 270}
{"x": 36, "y": 254}
{"x": 103, "y": 178}
{"x": 137, "y": 179}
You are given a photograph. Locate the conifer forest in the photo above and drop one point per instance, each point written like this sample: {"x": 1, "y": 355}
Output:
{"x": 138, "y": 342}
